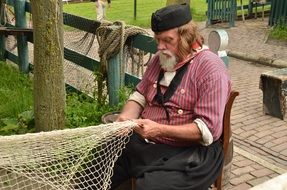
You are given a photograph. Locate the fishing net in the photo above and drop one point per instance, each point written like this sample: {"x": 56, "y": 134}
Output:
{"x": 100, "y": 41}
{"x": 80, "y": 158}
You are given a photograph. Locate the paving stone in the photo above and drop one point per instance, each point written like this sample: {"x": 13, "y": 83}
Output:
{"x": 252, "y": 138}
{"x": 249, "y": 133}
{"x": 264, "y": 139}
{"x": 273, "y": 175}
{"x": 263, "y": 134}
{"x": 257, "y": 181}
{"x": 280, "y": 133}
{"x": 257, "y": 166}
{"x": 261, "y": 172}
{"x": 242, "y": 170}
{"x": 284, "y": 152}
{"x": 282, "y": 140}
{"x": 241, "y": 179}
{"x": 280, "y": 147}
{"x": 243, "y": 163}
{"x": 255, "y": 132}
{"x": 237, "y": 131}
{"x": 242, "y": 186}
{"x": 253, "y": 126}
{"x": 269, "y": 144}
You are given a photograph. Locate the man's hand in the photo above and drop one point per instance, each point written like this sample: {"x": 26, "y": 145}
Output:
{"x": 147, "y": 128}
{"x": 97, "y": 4}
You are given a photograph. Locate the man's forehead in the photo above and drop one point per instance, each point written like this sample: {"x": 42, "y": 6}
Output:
{"x": 172, "y": 33}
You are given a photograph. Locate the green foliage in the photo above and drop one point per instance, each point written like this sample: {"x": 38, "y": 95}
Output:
{"x": 26, "y": 120}
{"x": 9, "y": 126}
{"x": 15, "y": 91}
{"x": 24, "y": 123}
{"x": 124, "y": 94}
{"x": 279, "y": 32}
{"x": 82, "y": 110}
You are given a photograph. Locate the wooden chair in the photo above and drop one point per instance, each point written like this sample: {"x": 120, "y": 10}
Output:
{"x": 226, "y": 139}
{"x": 226, "y": 142}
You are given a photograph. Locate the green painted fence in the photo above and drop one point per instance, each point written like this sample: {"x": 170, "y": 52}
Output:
{"x": 141, "y": 42}
{"x": 221, "y": 10}
{"x": 278, "y": 12}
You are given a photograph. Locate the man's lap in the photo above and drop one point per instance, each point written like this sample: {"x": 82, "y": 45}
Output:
{"x": 158, "y": 166}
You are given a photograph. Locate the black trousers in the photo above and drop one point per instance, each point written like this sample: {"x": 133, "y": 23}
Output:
{"x": 164, "y": 167}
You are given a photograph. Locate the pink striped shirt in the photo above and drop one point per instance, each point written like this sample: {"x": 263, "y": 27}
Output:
{"x": 202, "y": 94}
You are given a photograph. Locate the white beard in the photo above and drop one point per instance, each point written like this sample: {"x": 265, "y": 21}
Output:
{"x": 167, "y": 60}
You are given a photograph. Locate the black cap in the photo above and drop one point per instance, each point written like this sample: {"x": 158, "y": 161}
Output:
{"x": 170, "y": 17}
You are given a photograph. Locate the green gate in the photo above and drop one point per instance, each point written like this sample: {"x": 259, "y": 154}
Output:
{"x": 222, "y": 11}
{"x": 278, "y": 12}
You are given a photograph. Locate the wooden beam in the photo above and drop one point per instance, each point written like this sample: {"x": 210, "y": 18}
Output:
{"x": 15, "y": 31}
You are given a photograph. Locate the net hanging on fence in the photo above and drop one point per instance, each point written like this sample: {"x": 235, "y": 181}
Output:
{"x": 80, "y": 158}
{"x": 106, "y": 39}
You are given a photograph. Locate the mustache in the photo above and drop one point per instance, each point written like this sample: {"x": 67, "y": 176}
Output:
{"x": 166, "y": 52}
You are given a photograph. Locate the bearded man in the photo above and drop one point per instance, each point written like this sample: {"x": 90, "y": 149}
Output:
{"x": 178, "y": 107}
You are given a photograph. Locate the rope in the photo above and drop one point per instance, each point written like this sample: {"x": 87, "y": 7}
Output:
{"x": 3, "y": 13}
{"x": 112, "y": 38}
{"x": 7, "y": 16}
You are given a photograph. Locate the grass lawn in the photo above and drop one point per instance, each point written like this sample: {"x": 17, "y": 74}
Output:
{"x": 16, "y": 104}
{"x": 124, "y": 10}
{"x": 15, "y": 91}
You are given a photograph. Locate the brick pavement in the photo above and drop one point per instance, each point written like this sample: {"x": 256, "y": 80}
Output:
{"x": 250, "y": 37}
{"x": 260, "y": 140}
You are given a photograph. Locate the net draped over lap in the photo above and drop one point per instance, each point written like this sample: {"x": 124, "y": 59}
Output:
{"x": 60, "y": 159}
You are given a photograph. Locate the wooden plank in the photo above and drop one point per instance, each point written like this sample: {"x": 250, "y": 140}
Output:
{"x": 81, "y": 23}
{"x": 15, "y": 31}
{"x": 12, "y": 57}
{"x": 81, "y": 60}
{"x": 131, "y": 79}
{"x": 145, "y": 43}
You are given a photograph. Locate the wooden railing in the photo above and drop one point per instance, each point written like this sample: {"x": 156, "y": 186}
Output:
{"x": 141, "y": 42}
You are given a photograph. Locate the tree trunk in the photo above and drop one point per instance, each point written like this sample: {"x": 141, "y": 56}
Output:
{"x": 172, "y": 2}
{"x": 49, "y": 85}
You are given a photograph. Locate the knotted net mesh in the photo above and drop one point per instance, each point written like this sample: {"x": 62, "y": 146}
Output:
{"x": 80, "y": 158}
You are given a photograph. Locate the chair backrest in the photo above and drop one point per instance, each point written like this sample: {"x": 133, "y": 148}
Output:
{"x": 226, "y": 137}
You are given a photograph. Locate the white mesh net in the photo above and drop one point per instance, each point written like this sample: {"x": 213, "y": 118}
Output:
{"x": 81, "y": 158}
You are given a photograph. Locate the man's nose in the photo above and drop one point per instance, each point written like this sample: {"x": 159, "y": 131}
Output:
{"x": 161, "y": 46}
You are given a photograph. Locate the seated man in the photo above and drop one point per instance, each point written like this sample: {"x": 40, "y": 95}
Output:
{"x": 180, "y": 102}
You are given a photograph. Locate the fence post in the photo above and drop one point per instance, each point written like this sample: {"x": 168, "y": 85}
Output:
{"x": 278, "y": 12}
{"x": 135, "y": 9}
{"x": 22, "y": 45}
{"x": 2, "y": 37}
{"x": 2, "y": 48}
{"x": 115, "y": 79}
